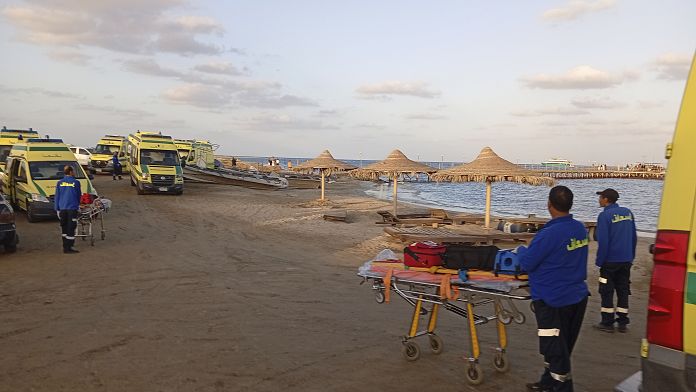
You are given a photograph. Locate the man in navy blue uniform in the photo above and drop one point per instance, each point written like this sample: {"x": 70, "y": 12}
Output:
{"x": 616, "y": 249}
{"x": 556, "y": 262}
{"x": 67, "y": 204}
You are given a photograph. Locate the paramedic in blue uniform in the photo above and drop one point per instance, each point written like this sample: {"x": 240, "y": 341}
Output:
{"x": 616, "y": 249}
{"x": 556, "y": 261}
{"x": 67, "y": 204}
{"x": 118, "y": 169}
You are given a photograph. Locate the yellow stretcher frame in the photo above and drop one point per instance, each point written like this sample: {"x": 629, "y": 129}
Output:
{"x": 420, "y": 294}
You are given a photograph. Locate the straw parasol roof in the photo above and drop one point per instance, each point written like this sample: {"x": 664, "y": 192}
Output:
{"x": 489, "y": 167}
{"x": 324, "y": 162}
{"x": 393, "y": 166}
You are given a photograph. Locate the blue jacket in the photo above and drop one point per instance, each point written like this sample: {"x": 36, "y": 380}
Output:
{"x": 68, "y": 193}
{"x": 556, "y": 261}
{"x": 114, "y": 159}
{"x": 616, "y": 235}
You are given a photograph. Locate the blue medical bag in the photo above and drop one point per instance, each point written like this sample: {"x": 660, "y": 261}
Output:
{"x": 507, "y": 263}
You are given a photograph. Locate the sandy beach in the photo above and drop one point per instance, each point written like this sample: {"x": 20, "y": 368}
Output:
{"x": 233, "y": 289}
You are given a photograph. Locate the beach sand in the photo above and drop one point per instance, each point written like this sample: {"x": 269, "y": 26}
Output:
{"x": 232, "y": 289}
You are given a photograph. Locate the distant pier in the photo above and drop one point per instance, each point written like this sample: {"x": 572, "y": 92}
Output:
{"x": 570, "y": 173}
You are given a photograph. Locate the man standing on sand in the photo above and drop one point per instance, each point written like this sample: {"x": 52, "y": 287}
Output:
{"x": 616, "y": 249}
{"x": 556, "y": 262}
{"x": 67, "y": 204}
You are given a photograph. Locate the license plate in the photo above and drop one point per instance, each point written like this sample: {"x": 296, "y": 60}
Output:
{"x": 163, "y": 189}
{"x": 99, "y": 170}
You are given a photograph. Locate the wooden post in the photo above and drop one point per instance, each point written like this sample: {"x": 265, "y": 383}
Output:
{"x": 396, "y": 179}
{"x": 488, "y": 204}
{"x": 323, "y": 176}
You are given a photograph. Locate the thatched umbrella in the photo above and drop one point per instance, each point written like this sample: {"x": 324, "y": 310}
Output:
{"x": 395, "y": 165}
{"x": 326, "y": 164}
{"x": 488, "y": 167}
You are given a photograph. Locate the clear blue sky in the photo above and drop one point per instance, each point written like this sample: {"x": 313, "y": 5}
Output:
{"x": 586, "y": 80}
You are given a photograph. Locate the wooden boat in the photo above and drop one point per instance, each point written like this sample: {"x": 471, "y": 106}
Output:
{"x": 243, "y": 178}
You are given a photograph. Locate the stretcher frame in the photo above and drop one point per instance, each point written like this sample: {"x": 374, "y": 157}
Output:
{"x": 88, "y": 216}
{"x": 419, "y": 294}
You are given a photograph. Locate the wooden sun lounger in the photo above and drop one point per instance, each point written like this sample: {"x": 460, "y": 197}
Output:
{"x": 540, "y": 222}
{"x": 446, "y": 236}
{"x": 336, "y": 216}
{"x": 408, "y": 219}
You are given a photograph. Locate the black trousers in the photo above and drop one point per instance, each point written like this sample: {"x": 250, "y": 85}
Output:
{"x": 558, "y": 331}
{"x": 615, "y": 278}
{"x": 118, "y": 171}
{"x": 68, "y": 225}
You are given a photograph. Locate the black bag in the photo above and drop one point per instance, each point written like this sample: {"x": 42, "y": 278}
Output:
{"x": 470, "y": 257}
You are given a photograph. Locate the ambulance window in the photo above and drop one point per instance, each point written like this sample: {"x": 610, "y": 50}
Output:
{"x": 4, "y": 152}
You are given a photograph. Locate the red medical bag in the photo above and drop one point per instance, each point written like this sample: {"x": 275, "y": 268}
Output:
{"x": 423, "y": 254}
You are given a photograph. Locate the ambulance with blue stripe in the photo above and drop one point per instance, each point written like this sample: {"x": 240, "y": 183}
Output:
{"x": 154, "y": 164}
{"x": 33, "y": 168}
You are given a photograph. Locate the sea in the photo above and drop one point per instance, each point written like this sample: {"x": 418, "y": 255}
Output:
{"x": 516, "y": 200}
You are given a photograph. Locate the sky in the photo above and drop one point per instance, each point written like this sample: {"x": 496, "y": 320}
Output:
{"x": 585, "y": 80}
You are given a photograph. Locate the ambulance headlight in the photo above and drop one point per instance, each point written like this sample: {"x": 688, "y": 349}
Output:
{"x": 40, "y": 198}
{"x": 146, "y": 176}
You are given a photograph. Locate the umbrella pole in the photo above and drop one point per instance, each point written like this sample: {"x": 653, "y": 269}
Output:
{"x": 323, "y": 176}
{"x": 488, "y": 204}
{"x": 394, "y": 194}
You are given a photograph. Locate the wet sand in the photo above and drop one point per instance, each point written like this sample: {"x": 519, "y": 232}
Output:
{"x": 232, "y": 289}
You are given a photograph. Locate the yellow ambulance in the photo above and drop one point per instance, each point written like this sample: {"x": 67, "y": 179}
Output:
{"x": 669, "y": 348}
{"x": 102, "y": 158}
{"x": 34, "y": 166}
{"x": 8, "y": 137}
{"x": 184, "y": 148}
{"x": 202, "y": 154}
{"x": 154, "y": 163}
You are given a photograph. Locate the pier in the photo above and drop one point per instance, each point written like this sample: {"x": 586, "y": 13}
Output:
{"x": 572, "y": 173}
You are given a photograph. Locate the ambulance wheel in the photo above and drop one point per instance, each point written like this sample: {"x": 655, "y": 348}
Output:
{"x": 500, "y": 362}
{"x": 30, "y": 214}
{"x": 11, "y": 245}
{"x": 379, "y": 296}
{"x": 519, "y": 318}
{"x": 411, "y": 351}
{"x": 436, "y": 345}
{"x": 139, "y": 190}
{"x": 474, "y": 374}
{"x": 132, "y": 182}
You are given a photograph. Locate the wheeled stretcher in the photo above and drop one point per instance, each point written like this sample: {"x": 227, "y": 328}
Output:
{"x": 429, "y": 293}
{"x": 90, "y": 215}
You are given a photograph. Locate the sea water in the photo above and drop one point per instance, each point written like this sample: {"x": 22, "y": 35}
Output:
{"x": 516, "y": 200}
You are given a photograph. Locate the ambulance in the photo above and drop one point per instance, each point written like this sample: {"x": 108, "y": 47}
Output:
{"x": 669, "y": 349}
{"x": 184, "y": 149}
{"x": 34, "y": 166}
{"x": 154, "y": 163}
{"x": 103, "y": 155}
{"x": 202, "y": 154}
{"x": 8, "y": 137}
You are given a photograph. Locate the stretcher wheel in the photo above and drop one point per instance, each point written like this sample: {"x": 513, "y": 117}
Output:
{"x": 500, "y": 362}
{"x": 474, "y": 374}
{"x": 379, "y": 296}
{"x": 531, "y": 306}
{"x": 519, "y": 318}
{"x": 436, "y": 345}
{"x": 411, "y": 351}
{"x": 504, "y": 317}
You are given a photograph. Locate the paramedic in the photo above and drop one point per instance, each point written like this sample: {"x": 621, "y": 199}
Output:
{"x": 616, "y": 249}
{"x": 556, "y": 261}
{"x": 67, "y": 204}
{"x": 118, "y": 169}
